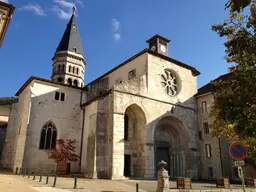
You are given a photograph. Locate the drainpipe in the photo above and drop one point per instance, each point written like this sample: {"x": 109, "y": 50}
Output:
{"x": 82, "y": 134}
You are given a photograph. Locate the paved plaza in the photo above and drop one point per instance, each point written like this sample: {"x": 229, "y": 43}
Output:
{"x": 15, "y": 183}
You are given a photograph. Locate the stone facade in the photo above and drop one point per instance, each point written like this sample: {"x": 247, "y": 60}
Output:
{"x": 148, "y": 107}
{"x": 6, "y": 11}
{"x": 68, "y": 68}
{"x": 125, "y": 122}
{"x": 38, "y": 105}
{"x": 219, "y": 163}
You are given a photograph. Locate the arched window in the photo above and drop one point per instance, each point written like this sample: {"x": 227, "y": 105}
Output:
{"x": 62, "y": 68}
{"x": 69, "y": 68}
{"x": 77, "y": 70}
{"x": 73, "y": 69}
{"x": 48, "y": 136}
{"x": 58, "y": 68}
{"x": 75, "y": 83}
{"x": 69, "y": 81}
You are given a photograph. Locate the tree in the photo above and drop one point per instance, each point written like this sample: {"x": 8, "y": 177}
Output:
{"x": 65, "y": 151}
{"x": 234, "y": 107}
{"x": 237, "y": 5}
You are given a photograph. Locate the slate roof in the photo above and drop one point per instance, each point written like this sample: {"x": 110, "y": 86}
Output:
{"x": 210, "y": 88}
{"x": 71, "y": 38}
{"x": 158, "y": 36}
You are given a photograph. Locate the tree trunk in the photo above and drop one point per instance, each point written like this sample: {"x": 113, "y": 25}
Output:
{"x": 62, "y": 168}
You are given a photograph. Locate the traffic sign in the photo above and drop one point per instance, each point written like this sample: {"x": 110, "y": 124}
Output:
{"x": 240, "y": 171}
{"x": 237, "y": 150}
{"x": 239, "y": 163}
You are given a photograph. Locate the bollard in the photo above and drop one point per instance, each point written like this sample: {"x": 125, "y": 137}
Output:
{"x": 24, "y": 172}
{"x": 16, "y": 172}
{"x": 137, "y": 187}
{"x": 75, "y": 183}
{"x": 47, "y": 179}
{"x": 40, "y": 178}
{"x": 34, "y": 178}
{"x": 54, "y": 182}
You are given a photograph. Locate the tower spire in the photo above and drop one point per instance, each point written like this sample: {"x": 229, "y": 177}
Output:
{"x": 69, "y": 50}
{"x": 71, "y": 39}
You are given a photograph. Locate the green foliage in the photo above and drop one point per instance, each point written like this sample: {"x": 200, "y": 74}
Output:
{"x": 235, "y": 103}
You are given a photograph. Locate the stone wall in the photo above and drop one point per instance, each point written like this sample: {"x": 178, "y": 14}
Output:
{"x": 215, "y": 160}
{"x": 95, "y": 143}
{"x": 9, "y": 148}
{"x": 66, "y": 116}
{"x": 24, "y": 107}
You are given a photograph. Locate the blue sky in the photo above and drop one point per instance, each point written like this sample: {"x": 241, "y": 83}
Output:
{"x": 111, "y": 32}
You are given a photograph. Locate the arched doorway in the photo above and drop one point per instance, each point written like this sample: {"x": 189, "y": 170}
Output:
{"x": 171, "y": 144}
{"x": 134, "y": 142}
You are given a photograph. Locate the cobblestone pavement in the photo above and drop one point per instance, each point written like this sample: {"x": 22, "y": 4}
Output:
{"x": 14, "y": 183}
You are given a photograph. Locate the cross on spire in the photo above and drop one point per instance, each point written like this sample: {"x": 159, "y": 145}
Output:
{"x": 74, "y": 9}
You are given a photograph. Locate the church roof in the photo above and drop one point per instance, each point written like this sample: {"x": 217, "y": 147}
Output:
{"x": 210, "y": 88}
{"x": 44, "y": 80}
{"x": 176, "y": 62}
{"x": 158, "y": 36}
{"x": 70, "y": 40}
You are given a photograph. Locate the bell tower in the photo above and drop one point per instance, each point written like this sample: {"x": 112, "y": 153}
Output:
{"x": 68, "y": 60}
{"x": 158, "y": 44}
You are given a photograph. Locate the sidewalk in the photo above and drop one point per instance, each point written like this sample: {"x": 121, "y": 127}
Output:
{"x": 9, "y": 183}
{"x": 67, "y": 185}
{"x": 15, "y": 183}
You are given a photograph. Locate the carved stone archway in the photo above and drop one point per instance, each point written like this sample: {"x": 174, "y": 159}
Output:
{"x": 171, "y": 144}
{"x": 134, "y": 141}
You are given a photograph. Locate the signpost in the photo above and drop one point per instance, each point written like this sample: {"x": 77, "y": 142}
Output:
{"x": 239, "y": 163}
{"x": 237, "y": 151}
{"x": 240, "y": 171}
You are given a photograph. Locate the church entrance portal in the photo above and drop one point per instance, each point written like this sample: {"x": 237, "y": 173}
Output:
{"x": 171, "y": 142}
{"x": 162, "y": 153}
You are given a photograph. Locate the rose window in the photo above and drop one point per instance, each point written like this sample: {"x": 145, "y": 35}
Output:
{"x": 169, "y": 82}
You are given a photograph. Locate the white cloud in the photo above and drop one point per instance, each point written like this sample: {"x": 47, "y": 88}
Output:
{"x": 115, "y": 24}
{"x": 64, "y": 3}
{"x": 117, "y": 36}
{"x": 63, "y": 8}
{"x": 80, "y": 2}
{"x": 116, "y": 27}
{"x": 35, "y": 8}
{"x": 61, "y": 13}
{"x": 6, "y": 1}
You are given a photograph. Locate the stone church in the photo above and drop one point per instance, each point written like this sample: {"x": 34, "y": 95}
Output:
{"x": 125, "y": 122}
